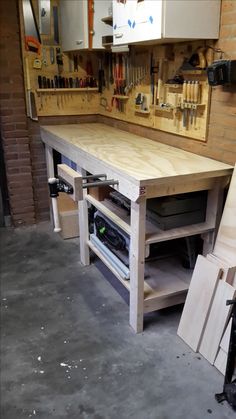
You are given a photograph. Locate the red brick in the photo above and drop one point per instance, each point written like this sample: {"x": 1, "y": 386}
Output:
{"x": 9, "y": 127}
{"x": 23, "y": 191}
{"x": 6, "y": 112}
{"x": 16, "y": 134}
{"x": 23, "y": 140}
{"x": 16, "y": 163}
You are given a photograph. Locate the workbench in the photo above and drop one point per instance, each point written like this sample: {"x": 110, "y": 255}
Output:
{"x": 144, "y": 169}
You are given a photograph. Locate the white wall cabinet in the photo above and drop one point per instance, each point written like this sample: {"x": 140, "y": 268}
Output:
{"x": 74, "y": 24}
{"x": 137, "y": 21}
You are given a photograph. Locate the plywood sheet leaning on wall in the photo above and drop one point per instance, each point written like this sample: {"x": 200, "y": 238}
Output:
{"x": 225, "y": 246}
{"x": 217, "y": 320}
{"x": 198, "y": 302}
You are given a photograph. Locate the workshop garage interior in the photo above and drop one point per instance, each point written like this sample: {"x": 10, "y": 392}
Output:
{"x": 118, "y": 209}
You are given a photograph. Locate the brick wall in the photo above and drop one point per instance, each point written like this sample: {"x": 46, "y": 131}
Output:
{"x": 14, "y": 124}
{"x": 24, "y": 151}
{"x": 222, "y": 127}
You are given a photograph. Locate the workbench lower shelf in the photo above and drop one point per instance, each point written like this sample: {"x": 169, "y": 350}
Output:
{"x": 166, "y": 281}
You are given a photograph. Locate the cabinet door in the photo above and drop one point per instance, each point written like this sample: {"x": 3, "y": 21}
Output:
{"x": 123, "y": 12}
{"x": 100, "y": 28}
{"x": 74, "y": 24}
{"x": 137, "y": 20}
{"x": 147, "y": 21}
{"x": 191, "y": 19}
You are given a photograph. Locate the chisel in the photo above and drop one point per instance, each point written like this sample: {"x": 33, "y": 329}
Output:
{"x": 56, "y": 83}
{"x": 40, "y": 82}
{"x": 192, "y": 101}
{"x": 44, "y": 81}
{"x": 184, "y": 103}
{"x": 196, "y": 99}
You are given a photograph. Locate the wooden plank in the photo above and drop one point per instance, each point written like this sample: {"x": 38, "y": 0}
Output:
{"x": 198, "y": 302}
{"x": 137, "y": 257}
{"x": 225, "y": 246}
{"x": 213, "y": 212}
{"x": 217, "y": 320}
{"x": 73, "y": 178}
{"x": 153, "y": 191}
{"x": 109, "y": 214}
{"x": 69, "y": 224}
{"x": 155, "y": 235}
{"x": 228, "y": 272}
{"x": 156, "y": 303}
{"x": 126, "y": 186}
{"x": 65, "y": 203}
{"x": 136, "y": 157}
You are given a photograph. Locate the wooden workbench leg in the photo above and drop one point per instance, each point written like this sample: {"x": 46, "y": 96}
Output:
{"x": 137, "y": 259}
{"x": 84, "y": 227}
{"x": 213, "y": 214}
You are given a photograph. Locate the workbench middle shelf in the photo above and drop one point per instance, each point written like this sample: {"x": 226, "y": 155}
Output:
{"x": 121, "y": 218}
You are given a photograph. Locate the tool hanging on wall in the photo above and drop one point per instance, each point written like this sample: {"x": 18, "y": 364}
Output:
{"x": 44, "y": 56}
{"x": 52, "y": 55}
{"x": 190, "y": 102}
{"x": 183, "y": 104}
{"x": 153, "y": 71}
{"x": 64, "y": 82}
{"x": 31, "y": 106}
{"x": 222, "y": 72}
{"x": 101, "y": 77}
{"x": 44, "y": 16}
{"x": 198, "y": 59}
{"x": 59, "y": 60}
{"x": 32, "y": 37}
{"x": 55, "y": 24}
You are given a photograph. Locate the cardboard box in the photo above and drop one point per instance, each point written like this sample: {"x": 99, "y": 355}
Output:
{"x": 69, "y": 218}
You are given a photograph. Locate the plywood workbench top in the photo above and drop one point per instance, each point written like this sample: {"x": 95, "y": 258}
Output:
{"x": 139, "y": 159}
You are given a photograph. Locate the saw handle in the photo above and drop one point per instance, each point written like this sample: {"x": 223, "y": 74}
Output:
{"x": 32, "y": 40}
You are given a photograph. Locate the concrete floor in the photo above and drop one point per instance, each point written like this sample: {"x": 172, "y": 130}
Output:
{"x": 68, "y": 351}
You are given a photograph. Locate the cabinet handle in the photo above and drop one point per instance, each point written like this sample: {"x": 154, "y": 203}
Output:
{"x": 119, "y": 35}
{"x": 79, "y": 42}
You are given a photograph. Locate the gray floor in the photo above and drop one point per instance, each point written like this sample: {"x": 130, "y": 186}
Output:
{"x": 68, "y": 351}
